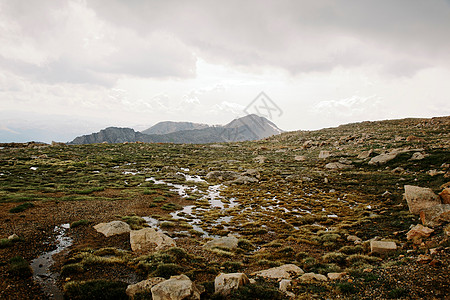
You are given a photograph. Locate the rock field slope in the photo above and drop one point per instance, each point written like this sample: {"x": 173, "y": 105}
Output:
{"x": 326, "y": 207}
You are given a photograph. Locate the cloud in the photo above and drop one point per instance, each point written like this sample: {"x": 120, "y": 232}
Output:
{"x": 352, "y": 108}
{"x": 299, "y": 36}
{"x": 73, "y": 45}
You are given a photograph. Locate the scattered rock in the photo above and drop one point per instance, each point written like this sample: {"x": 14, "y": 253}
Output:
{"x": 176, "y": 288}
{"x": 13, "y": 237}
{"x": 143, "y": 286}
{"x": 423, "y": 259}
{"x": 313, "y": 277}
{"x": 435, "y": 172}
{"x": 225, "y": 283}
{"x": 398, "y": 170}
{"x": 435, "y": 215}
{"x": 354, "y": 239}
{"x": 242, "y": 180}
{"x": 418, "y": 156}
{"x": 300, "y": 158}
{"x": 307, "y": 144}
{"x": 284, "y": 285}
{"x": 288, "y": 271}
{"x": 382, "y": 247}
{"x": 252, "y": 172}
{"x": 382, "y": 158}
{"x": 419, "y": 198}
{"x": 445, "y": 196}
{"x": 324, "y": 154}
{"x": 336, "y": 276}
{"x": 227, "y": 242}
{"x": 148, "y": 239}
{"x": 337, "y": 166}
{"x": 418, "y": 232}
{"x": 222, "y": 175}
{"x": 260, "y": 159}
{"x": 365, "y": 154}
{"x": 112, "y": 228}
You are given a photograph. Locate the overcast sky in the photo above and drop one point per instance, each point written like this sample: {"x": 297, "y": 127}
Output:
{"x": 74, "y": 67}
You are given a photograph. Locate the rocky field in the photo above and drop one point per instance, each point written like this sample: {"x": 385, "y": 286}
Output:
{"x": 360, "y": 211}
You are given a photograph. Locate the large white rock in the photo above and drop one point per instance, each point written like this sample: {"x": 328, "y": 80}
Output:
{"x": 148, "y": 239}
{"x": 112, "y": 228}
{"x": 288, "y": 271}
{"x": 143, "y": 286}
{"x": 176, "y": 288}
{"x": 227, "y": 242}
{"x": 419, "y": 198}
{"x": 225, "y": 283}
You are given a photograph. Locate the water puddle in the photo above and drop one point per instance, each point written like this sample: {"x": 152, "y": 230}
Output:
{"x": 41, "y": 265}
{"x": 191, "y": 213}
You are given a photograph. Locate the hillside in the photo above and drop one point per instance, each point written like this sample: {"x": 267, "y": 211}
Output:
{"x": 360, "y": 211}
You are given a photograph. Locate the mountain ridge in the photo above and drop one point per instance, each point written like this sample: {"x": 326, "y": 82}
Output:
{"x": 247, "y": 128}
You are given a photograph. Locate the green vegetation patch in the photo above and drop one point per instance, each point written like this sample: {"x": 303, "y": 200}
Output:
{"x": 22, "y": 207}
{"x": 95, "y": 289}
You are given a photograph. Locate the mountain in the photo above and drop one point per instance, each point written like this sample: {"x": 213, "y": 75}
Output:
{"x": 248, "y": 128}
{"x": 169, "y": 127}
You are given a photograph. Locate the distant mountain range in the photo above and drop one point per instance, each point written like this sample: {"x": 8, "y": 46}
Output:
{"x": 248, "y": 128}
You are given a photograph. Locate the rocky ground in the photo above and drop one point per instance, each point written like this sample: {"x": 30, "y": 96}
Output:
{"x": 315, "y": 199}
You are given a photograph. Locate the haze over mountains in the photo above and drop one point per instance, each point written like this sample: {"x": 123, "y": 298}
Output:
{"x": 250, "y": 127}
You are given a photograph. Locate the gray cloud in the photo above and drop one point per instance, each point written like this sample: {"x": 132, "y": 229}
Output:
{"x": 299, "y": 36}
{"x": 100, "y": 40}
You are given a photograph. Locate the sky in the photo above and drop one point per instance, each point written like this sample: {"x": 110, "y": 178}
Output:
{"x": 74, "y": 67}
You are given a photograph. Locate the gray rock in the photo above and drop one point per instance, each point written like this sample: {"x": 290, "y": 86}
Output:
{"x": 337, "y": 166}
{"x": 435, "y": 215}
{"x": 225, "y": 283}
{"x": 287, "y": 271}
{"x": 313, "y": 277}
{"x": 148, "y": 240}
{"x": 228, "y": 242}
{"x": 382, "y": 247}
{"x": 112, "y": 228}
{"x": 418, "y": 232}
{"x": 222, "y": 175}
{"x": 143, "y": 286}
{"x": 418, "y": 156}
{"x": 324, "y": 154}
{"x": 242, "y": 180}
{"x": 419, "y": 198}
{"x": 383, "y": 158}
{"x": 176, "y": 288}
{"x": 365, "y": 154}
{"x": 13, "y": 237}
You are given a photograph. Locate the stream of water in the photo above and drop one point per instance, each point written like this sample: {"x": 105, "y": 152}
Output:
{"x": 41, "y": 265}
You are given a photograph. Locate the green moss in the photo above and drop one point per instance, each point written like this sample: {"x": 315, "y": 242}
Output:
{"x": 19, "y": 267}
{"x": 21, "y": 207}
{"x": 79, "y": 223}
{"x": 95, "y": 289}
{"x": 167, "y": 270}
{"x": 71, "y": 269}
